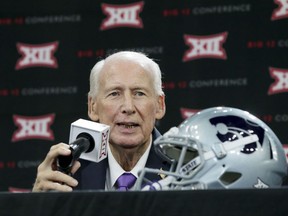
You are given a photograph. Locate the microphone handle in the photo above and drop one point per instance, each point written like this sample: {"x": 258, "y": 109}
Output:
{"x": 65, "y": 163}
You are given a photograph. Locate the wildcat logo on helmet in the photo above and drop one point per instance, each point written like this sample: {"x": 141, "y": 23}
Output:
{"x": 209, "y": 46}
{"x": 281, "y": 81}
{"x": 37, "y": 55}
{"x": 122, "y": 16}
{"x": 282, "y": 11}
{"x": 36, "y": 127}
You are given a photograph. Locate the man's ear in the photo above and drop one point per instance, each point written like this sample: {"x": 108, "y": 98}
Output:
{"x": 161, "y": 107}
{"x": 92, "y": 109}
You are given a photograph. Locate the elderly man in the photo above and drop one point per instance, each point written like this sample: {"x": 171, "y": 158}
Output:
{"x": 126, "y": 94}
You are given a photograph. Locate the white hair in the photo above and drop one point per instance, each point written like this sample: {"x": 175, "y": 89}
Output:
{"x": 148, "y": 64}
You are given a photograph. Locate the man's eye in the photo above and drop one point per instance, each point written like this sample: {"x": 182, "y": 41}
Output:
{"x": 114, "y": 94}
{"x": 140, "y": 93}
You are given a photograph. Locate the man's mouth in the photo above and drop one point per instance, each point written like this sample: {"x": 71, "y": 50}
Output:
{"x": 128, "y": 125}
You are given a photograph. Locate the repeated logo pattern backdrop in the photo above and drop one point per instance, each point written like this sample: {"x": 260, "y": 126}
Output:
{"x": 211, "y": 53}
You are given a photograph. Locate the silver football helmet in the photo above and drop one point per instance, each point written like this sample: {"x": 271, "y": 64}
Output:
{"x": 219, "y": 147}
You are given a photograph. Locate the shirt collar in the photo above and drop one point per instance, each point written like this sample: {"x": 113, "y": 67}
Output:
{"x": 115, "y": 170}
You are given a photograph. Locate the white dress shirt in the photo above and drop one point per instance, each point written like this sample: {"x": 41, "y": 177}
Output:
{"x": 114, "y": 170}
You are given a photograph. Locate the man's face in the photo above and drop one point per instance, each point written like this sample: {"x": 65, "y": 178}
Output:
{"x": 128, "y": 103}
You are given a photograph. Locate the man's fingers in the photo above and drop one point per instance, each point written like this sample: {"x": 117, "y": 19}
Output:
{"x": 48, "y": 178}
{"x": 54, "y": 180}
{"x": 52, "y": 186}
{"x": 55, "y": 151}
{"x": 75, "y": 167}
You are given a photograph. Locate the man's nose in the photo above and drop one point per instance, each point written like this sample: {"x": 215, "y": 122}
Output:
{"x": 128, "y": 105}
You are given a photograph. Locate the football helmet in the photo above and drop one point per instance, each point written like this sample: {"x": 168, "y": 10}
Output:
{"x": 219, "y": 147}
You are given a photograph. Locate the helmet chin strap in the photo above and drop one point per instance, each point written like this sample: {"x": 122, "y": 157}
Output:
{"x": 219, "y": 150}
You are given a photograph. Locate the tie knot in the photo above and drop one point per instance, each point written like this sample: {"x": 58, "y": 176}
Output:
{"x": 125, "y": 181}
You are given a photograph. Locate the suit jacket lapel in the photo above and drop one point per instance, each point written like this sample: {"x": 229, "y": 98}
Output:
{"x": 155, "y": 161}
{"x": 92, "y": 175}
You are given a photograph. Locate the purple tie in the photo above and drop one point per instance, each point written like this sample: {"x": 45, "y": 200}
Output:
{"x": 125, "y": 181}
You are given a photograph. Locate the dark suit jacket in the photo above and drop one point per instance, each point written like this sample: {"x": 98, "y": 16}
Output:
{"x": 92, "y": 176}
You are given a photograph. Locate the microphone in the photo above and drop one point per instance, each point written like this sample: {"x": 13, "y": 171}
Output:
{"x": 88, "y": 140}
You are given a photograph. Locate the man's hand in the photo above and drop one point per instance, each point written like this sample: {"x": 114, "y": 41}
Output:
{"x": 48, "y": 178}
